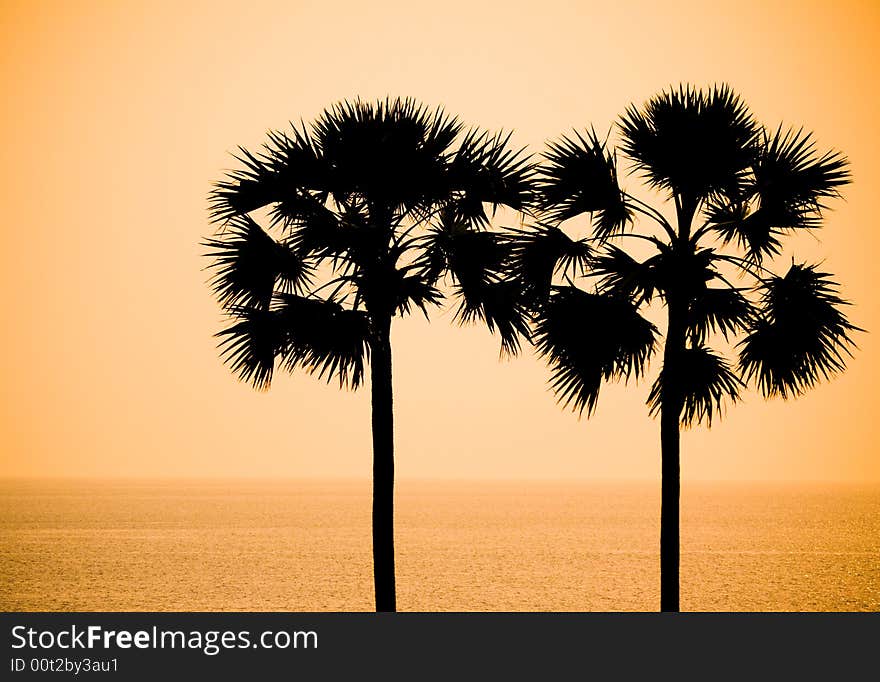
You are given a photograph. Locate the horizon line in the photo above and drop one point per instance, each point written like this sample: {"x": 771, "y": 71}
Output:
{"x": 432, "y": 479}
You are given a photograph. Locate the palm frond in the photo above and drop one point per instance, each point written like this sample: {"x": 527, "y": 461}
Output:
{"x": 792, "y": 179}
{"x": 393, "y": 151}
{"x": 317, "y": 335}
{"x": 690, "y": 142}
{"x": 800, "y": 334}
{"x": 538, "y": 253}
{"x": 485, "y": 170}
{"x": 725, "y": 311}
{"x": 477, "y": 260}
{"x": 334, "y": 236}
{"x": 251, "y": 344}
{"x": 500, "y": 306}
{"x": 580, "y": 176}
{"x": 704, "y": 381}
{"x": 414, "y": 291}
{"x": 324, "y": 338}
{"x": 248, "y": 264}
{"x": 790, "y": 182}
{"x": 285, "y": 164}
{"x": 307, "y": 218}
{"x": 472, "y": 257}
{"x": 586, "y": 338}
{"x": 622, "y": 275}
{"x": 736, "y": 222}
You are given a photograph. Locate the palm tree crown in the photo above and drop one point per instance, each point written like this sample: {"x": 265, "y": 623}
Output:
{"x": 736, "y": 189}
{"x": 381, "y": 199}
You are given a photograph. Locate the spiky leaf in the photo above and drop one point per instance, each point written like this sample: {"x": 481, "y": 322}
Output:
{"x": 703, "y": 382}
{"x": 391, "y": 151}
{"x": 693, "y": 143}
{"x": 800, "y": 335}
{"x": 792, "y": 179}
{"x": 580, "y": 176}
{"x": 735, "y": 222}
{"x": 316, "y": 335}
{"x": 500, "y": 306}
{"x": 485, "y": 170}
{"x": 250, "y": 345}
{"x": 414, "y": 292}
{"x": 248, "y": 264}
{"x": 789, "y": 184}
{"x": 472, "y": 257}
{"x": 622, "y": 275}
{"x": 285, "y": 164}
{"x": 586, "y": 338}
{"x": 725, "y": 311}
{"x": 538, "y": 253}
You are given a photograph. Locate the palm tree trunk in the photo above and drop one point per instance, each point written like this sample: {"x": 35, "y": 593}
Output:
{"x": 669, "y": 511}
{"x": 383, "y": 467}
{"x": 670, "y": 413}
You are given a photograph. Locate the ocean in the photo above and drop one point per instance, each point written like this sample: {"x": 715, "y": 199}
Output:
{"x": 304, "y": 545}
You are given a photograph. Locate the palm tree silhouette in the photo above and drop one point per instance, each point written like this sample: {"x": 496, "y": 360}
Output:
{"x": 383, "y": 201}
{"x": 736, "y": 188}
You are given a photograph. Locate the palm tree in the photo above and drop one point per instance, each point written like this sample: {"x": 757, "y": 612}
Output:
{"x": 736, "y": 188}
{"x": 367, "y": 213}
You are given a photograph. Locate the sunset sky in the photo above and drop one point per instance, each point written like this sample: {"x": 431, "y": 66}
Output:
{"x": 118, "y": 116}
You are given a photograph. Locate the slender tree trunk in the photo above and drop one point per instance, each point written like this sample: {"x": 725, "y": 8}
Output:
{"x": 383, "y": 467}
{"x": 669, "y": 512}
{"x": 670, "y": 414}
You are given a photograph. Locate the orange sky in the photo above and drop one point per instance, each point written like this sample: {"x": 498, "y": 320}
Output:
{"x": 118, "y": 116}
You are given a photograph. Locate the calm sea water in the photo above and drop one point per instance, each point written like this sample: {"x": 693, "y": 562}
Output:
{"x": 475, "y": 546}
